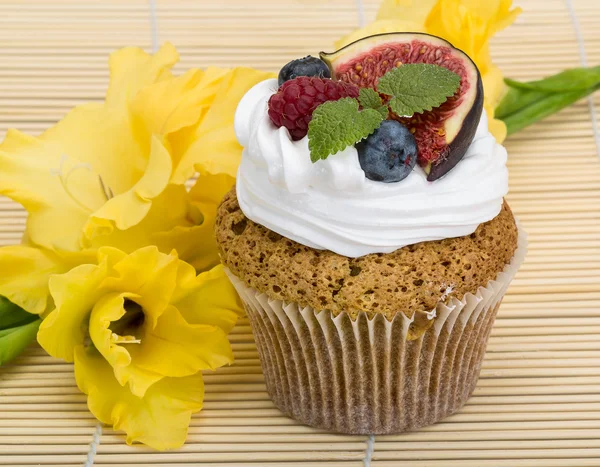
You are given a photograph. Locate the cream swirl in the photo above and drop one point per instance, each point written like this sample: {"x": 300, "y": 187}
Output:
{"x": 332, "y": 205}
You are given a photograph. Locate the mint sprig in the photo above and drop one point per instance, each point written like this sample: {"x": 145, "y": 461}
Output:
{"x": 370, "y": 99}
{"x": 335, "y": 125}
{"x": 416, "y": 87}
{"x": 413, "y": 88}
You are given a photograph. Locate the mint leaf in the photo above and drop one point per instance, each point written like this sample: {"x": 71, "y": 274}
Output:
{"x": 335, "y": 125}
{"x": 370, "y": 99}
{"x": 417, "y": 87}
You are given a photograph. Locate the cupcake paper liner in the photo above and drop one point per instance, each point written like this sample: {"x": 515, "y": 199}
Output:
{"x": 372, "y": 376}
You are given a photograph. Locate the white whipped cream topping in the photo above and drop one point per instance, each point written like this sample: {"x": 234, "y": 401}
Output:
{"x": 332, "y": 205}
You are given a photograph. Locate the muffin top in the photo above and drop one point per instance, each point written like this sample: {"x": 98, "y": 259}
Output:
{"x": 410, "y": 280}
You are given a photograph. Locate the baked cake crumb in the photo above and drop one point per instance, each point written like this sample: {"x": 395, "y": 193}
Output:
{"x": 410, "y": 280}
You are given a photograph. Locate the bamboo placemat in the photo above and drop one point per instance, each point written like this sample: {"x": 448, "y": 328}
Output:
{"x": 538, "y": 400}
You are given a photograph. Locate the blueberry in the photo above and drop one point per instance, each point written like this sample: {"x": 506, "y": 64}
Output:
{"x": 307, "y": 66}
{"x": 389, "y": 154}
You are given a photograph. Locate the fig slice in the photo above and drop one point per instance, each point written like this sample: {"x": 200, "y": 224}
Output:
{"x": 443, "y": 134}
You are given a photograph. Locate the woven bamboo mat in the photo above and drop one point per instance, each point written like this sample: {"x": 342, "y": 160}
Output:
{"x": 538, "y": 400}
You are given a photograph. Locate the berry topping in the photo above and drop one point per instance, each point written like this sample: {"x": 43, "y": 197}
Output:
{"x": 389, "y": 154}
{"x": 293, "y": 104}
{"x": 307, "y": 66}
{"x": 443, "y": 132}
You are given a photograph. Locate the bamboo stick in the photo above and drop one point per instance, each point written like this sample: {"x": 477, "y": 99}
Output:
{"x": 506, "y": 364}
{"x": 493, "y": 454}
{"x": 305, "y": 456}
{"x": 557, "y": 388}
{"x": 228, "y": 448}
{"x": 487, "y": 436}
{"x": 533, "y": 399}
{"x": 546, "y": 461}
{"x": 517, "y": 408}
{"x": 519, "y": 355}
{"x": 501, "y": 383}
{"x": 581, "y": 328}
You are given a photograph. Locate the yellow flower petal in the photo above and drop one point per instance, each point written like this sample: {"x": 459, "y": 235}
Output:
{"x": 48, "y": 187}
{"x": 170, "y": 106}
{"x": 74, "y": 294}
{"x": 194, "y": 347}
{"x": 494, "y": 86}
{"x": 496, "y": 127}
{"x": 194, "y": 244}
{"x": 109, "y": 309}
{"x": 466, "y": 25}
{"x": 496, "y": 13}
{"x": 114, "y": 163}
{"x": 214, "y": 146}
{"x": 207, "y": 193}
{"x": 69, "y": 173}
{"x": 25, "y": 270}
{"x": 167, "y": 106}
{"x": 149, "y": 274}
{"x": 94, "y": 377}
{"x": 210, "y": 189}
{"x": 414, "y": 10}
{"x": 169, "y": 225}
{"x": 208, "y": 90}
{"x": 176, "y": 221}
{"x": 131, "y": 69}
{"x": 128, "y": 209}
{"x": 380, "y": 26}
{"x": 208, "y": 299}
{"x": 160, "y": 419}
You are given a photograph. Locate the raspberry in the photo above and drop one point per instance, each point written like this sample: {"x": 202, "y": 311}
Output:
{"x": 295, "y": 101}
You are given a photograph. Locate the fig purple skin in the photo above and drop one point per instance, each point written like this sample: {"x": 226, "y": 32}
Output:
{"x": 458, "y": 147}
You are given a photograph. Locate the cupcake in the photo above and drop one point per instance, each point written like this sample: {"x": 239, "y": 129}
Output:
{"x": 367, "y": 234}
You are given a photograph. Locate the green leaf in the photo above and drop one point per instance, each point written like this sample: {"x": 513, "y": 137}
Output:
{"x": 575, "y": 79}
{"x": 14, "y": 340}
{"x": 335, "y": 125}
{"x": 516, "y": 99}
{"x": 17, "y": 329}
{"x": 527, "y": 103}
{"x": 12, "y": 315}
{"x": 416, "y": 87}
{"x": 370, "y": 99}
{"x": 543, "y": 108}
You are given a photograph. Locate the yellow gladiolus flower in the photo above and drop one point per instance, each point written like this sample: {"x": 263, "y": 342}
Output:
{"x": 140, "y": 328}
{"x": 113, "y": 173}
{"x": 467, "y": 24}
{"x": 107, "y": 202}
